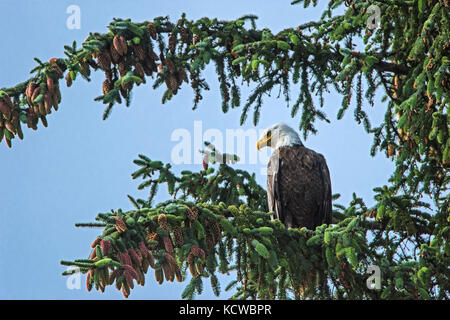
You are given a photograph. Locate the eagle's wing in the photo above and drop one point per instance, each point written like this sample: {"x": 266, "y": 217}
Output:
{"x": 325, "y": 210}
{"x": 273, "y": 190}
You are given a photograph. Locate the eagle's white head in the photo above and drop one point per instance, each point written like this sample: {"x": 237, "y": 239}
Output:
{"x": 278, "y": 135}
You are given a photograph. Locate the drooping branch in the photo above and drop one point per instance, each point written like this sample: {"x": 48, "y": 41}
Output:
{"x": 210, "y": 228}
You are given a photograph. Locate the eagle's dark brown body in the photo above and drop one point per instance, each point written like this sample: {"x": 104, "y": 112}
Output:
{"x": 299, "y": 187}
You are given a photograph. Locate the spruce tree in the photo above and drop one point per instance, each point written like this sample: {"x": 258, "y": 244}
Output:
{"x": 217, "y": 220}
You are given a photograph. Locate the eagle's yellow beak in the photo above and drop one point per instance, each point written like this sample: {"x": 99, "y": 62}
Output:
{"x": 263, "y": 142}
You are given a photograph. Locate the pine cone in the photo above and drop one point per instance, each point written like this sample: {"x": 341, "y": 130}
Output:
{"x": 135, "y": 257}
{"x": 184, "y": 34}
{"x": 172, "y": 83}
{"x": 139, "y": 52}
{"x": 216, "y": 231}
{"x": 106, "y": 246}
{"x": 143, "y": 249}
{"x": 4, "y": 108}
{"x": 391, "y": 150}
{"x": 96, "y": 242}
{"x": 88, "y": 280}
{"x": 159, "y": 276}
{"x": 68, "y": 79}
{"x": 205, "y": 161}
{"x": 42, "y": 112}
{"x": 152, "y": 236}
{"x": 107, "y": 86}
{"x": 50, "y": 85}
{"x": 120, "y": 225}
{"x": 210, "y": 243}
{"x": 29, "y": 92}
{"x": 167, "y": 271}
{"x": 92, "y": 63}
{"x": 182, "y": 75}
{"x": 115, "y": 56}
{"x": 93, "y": 254}
{"x": 125, "y": 290}
{"x": 11, "y": 128}
{"x": 191, "y": 264}
{"x": 151, "y": 260}
{"x": 168, "y": 244}
{"x": 178, "y": 274}
{"x": 162, "y": 221}
{"x": 124, "y": 258}
{"x": 85, "y": 67}
{"x": 44, "y": 121}
{"x": 178, "y": 235}
{"x": 113, "y": 276}
{"x": 48, "y": 103}
{"x": 152, "y": 30}
{"x": 123, "y": 68}
{"x": 139, "y": 71}
{"x": 104, "y": 60}
{"x": 170, "y": 65}
{"x": 172, "y": 42}
{"x": 169, "y": 258}
{"x": 192, "y": 214}
{"x": 36, "y": 92}
{"x": 151, "y": 64}
{"x": 120, "y": 44}
{"x": 56, "y": 69}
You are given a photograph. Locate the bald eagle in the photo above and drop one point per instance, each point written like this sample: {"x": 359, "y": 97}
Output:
{"x": 298, "y": 180}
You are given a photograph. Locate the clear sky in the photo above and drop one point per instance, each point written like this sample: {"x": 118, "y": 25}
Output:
{"x": 81, "y": 165}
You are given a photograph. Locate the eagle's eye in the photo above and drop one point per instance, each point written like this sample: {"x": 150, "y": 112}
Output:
{"x": 269, "y": 138}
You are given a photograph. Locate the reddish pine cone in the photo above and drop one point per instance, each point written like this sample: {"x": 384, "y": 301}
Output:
{"x": 120, "y": 224}
{"x": 106, "y": 246}
{"x": 168, "y": 244}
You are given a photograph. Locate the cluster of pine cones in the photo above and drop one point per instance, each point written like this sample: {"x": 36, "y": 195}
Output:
{"x": 123, "y": 55}
{"x": 120, "y": 262}
{"x": 41, "y": 96}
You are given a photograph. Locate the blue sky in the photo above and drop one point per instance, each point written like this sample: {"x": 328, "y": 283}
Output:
{"x": 81, "y": 165}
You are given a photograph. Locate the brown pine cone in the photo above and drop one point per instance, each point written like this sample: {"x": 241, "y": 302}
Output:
{"x": 162, "y": 221}
{"x": 104, "y": 60}
{"x": 172, "y": 83}
{"x": 182, "y": 75}
{"x": 178, "y": 235}
{"x": 107, "y": 86}
{"x": 159, "y": 276}
{"x": 139, "y": 71}
{"x": 123, "y": 69}
{"x": 68, "y": 79}
{"x": 172, "y": 42}
{"x": 152, "y": 30}
{"x": 85, "y": 67}
{"x": 184, "y": 34}
{"x": 170, "y": 65}
{"x": 115, "y": 56}
{"x": 152, "y": 236}
{"x": 192, "y": 214}
{"x": 139, "y": 52}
